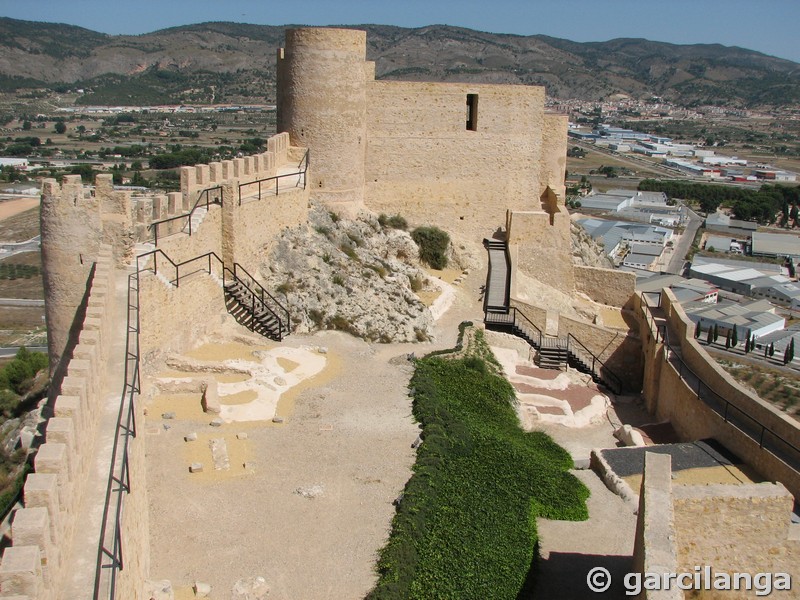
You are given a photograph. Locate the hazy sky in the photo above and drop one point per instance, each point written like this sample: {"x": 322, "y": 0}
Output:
{"x": 769, "y": 26}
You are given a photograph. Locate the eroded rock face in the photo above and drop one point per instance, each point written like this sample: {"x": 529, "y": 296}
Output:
{"x": 351, "y": 275}
{"x": 585, "y": 251}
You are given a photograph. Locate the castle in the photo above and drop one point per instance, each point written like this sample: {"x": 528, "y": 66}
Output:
{"x": 472, "y": 159}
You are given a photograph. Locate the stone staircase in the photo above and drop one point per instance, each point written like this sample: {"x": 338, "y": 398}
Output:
{"x": 552, "y": 352}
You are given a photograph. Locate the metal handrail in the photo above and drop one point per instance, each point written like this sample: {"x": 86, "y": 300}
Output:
{"x": 119, "y": 474}
{"x": 603, "y": 370}
{"x": 188, "y": 216}
{"x": 262, "y": 291}
{"x": 302, "y": 166}
{"x": 730, "y": 413}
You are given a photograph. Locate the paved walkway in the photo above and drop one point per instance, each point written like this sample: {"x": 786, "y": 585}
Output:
{"x": 82, "y": 556}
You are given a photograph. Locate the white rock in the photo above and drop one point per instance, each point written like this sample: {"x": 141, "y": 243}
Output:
{"x": 201, "y": 590}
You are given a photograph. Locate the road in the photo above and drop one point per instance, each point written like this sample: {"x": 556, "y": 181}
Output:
{"x": 681, "y": 249}
{"x": 12, "y": 350}
{"x": 10, "y": 249}
{"x": 21, "y": 302}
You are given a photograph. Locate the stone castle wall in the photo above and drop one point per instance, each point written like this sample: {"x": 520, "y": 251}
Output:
{"x": 669, "y": 397}
{"x": 423, "y": 162}
{"x": 35, "y": 565}
{"x": 89, "y": 234}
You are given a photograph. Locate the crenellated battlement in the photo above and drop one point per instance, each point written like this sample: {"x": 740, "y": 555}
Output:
{"x": 42, "y": 532}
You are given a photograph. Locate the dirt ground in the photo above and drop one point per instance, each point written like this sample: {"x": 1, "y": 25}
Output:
{"x": 9, "y": 208}
{"x": 306, "y": 503}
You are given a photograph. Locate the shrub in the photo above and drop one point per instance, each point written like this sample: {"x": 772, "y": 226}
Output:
{"x": 432, "y": 243}
{"x": 417, "y": 283}
{"x": 467, "y": 520}
{"x": 338, "y": 279}
{"x": 349, "y": 251}
{"x": 395, "y": 222}
{"x": 285, "y": 288}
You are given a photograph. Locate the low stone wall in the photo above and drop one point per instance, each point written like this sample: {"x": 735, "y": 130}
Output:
{"x": 621, "y": 351}
{"x": 654, "y": 549}
{"x": 606, "y": 286}
{"x": 669, "y": 396}
{"x": 173, "y": 318}
{"x": 33, "y": 566}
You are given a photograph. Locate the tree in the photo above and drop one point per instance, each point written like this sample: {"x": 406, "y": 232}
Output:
{"x": 734, "y": 338}
{"x": 697, "y": 330}
{"x": 728, "y": 341}
{"x": 747, "y": 345}
{"x": 60, "y": 127}
{"x": 710, "y": 336}
{"x": 26, "y": 125}
{"x": 772, "y": 349}
{"x": 716, "y": 332}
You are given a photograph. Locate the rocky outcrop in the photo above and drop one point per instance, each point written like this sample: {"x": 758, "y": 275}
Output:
{"x": 351, "y": 275}
{"x": 585, "y": 251}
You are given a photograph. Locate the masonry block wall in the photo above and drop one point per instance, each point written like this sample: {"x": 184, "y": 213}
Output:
{"x": 541, "y": 245}
{"x": 735, "y": 528}
{"x": 34, "y": 565}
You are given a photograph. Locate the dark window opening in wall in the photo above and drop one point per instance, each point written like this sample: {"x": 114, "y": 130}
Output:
{"x": 472, "y": 112}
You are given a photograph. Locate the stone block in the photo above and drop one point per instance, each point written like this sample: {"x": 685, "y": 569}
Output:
{"x": 227, "y": 170}
{"x": 238, "y": 168}
{"x": 196, "y": 468}
{"x": 210, "y": 399}
{"x": 201, "y": 590}
{"x": 69, "y": 407}
{"x": 241, "y": 436}
{"x": 31, "y": 527}
{"x": 21, "y": 571}
{"x": 62, "y": 430}
{"x": 192, "y": 437}
{"x": 201, "y": 174}
{"x": 215, "y": 172}
{"x": 52, "y": 458}
{"x": 219, "y": 454}
{"x": 249, "y": 166}
{"x": 41, "y": 489}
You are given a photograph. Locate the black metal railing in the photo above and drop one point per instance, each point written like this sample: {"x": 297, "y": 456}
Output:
{"x": 266, "y": 183}
{"x": 268, "y": 301}
{"x": 576, "y": 350}
{"x": 577, "y": 353}
{"x": 765, "y": 437}
{"x": 203, "y": 198}
{"x": 110, "y": 557}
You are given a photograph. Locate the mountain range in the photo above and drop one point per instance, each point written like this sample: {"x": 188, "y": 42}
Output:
{"x": 233, "y": 62}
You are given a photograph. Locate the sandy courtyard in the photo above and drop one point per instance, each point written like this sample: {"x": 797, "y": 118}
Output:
{"x": 304, "y": 501}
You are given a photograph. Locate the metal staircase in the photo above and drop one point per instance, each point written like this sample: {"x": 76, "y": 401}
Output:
{"x": 552, "y": 352}
{"x": 253, "y": 306}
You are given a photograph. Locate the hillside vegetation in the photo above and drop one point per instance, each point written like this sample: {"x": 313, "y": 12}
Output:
{"x": 223, "y": 62}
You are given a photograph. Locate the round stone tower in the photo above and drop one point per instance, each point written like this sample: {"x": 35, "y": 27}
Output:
{"x": 322, "y": 93}
{"x": 71, "y": 233}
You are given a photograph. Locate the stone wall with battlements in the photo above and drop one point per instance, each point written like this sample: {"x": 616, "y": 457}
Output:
{"x": 35, "y": 565}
